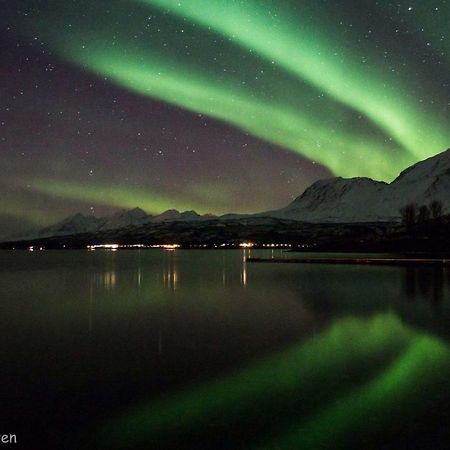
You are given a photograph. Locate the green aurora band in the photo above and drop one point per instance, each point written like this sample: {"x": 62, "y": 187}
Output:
{"x": 313, "y": 85}
{"x": 283, "y": 71}
{"x": 119, "y": 196}
{"x": 30, "y": 212}
{"x": 278, "y": 125}
{"x": 307, "y": 52}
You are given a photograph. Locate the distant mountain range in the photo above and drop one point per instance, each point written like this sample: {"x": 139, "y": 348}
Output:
{"x": 336, "y": 200}
{"x": 79, "y": 223}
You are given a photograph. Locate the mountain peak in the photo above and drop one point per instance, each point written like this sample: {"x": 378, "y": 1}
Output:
{"x": 125, "y": 218}
{"x": 167, "y": 215}
{"x": 433, "y": 166}
{"x": 332, "y": 189}
{"x": 76, "y": 223}
{"x": 175, "y": 215}
{"x": 137, "y": 212}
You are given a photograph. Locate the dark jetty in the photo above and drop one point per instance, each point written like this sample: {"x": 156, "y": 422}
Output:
{"x": 369, "y": 261}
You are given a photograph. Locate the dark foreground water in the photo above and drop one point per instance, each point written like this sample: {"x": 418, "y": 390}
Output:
{"x": 200, "y": 350}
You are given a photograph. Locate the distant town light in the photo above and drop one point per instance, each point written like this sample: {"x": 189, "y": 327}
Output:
{"x": 103, "y": 246}
{"x": 115, "y": 247}
{"x": 170, "y": 246}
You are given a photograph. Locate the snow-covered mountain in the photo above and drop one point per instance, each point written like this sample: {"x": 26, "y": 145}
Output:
{"x": 337, "y": 200}
{"x": 172, "y": 215}
{"x": 78, "y": 223}
{"x": 365, "y": 200}
{"x": 122, "y": 219}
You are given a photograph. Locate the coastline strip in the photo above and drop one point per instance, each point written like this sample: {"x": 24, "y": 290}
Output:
{"x": 369, "y": 261}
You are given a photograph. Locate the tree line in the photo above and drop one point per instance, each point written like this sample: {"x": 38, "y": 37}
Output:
{"x": 413, "y": 214}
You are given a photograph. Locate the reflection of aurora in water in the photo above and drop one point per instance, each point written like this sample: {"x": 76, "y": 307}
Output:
{"x": 304, "y": 355}
{"x": 356, "y": 379}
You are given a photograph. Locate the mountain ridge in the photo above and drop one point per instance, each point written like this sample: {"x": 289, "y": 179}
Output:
{"x": 346, "y": 200}
{"x": 333, "y": 200}
{"x": 79, "y": 223}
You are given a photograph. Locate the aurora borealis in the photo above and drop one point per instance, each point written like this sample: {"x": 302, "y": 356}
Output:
{"x": 213, "y": 105}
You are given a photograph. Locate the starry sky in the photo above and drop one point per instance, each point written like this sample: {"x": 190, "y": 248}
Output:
{"x": 213, "y": 105}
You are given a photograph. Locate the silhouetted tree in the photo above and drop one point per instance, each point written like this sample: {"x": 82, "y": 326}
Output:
{"x": 436, "y": 209}
{"x": 424, "y": 214}
{"x": 409, "y": 213}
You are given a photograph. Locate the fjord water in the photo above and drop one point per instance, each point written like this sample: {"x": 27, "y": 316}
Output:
{"x": 203, "y": 350}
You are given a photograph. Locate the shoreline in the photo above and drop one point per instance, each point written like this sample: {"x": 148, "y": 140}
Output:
{"x": 436, "y": 262}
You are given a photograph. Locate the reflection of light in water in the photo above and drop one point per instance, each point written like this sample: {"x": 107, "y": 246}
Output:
{"x": 245, "y": 254}
{"x": 170, "y": 273}
{"x": 170, "y": 279}
{"x": 175, "y": 279}
{"x": 244, "y": 274}
{"x": 109, "y": 280}
{"x": 224, "y": 271}
{"x": 91, "y": 300}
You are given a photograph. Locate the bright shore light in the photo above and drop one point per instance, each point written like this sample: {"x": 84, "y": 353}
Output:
{"x": 243, "y": 245}
{"x": 115, "y": 247}
{"x": 170, "y": 246}
{"x": 103, "y": 246}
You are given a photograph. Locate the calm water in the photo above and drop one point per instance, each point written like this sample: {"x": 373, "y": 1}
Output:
{"x": 201, "y": 350}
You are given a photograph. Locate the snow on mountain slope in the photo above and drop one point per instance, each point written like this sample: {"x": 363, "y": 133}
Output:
{"x": 122, "y": 219}
{"x": 170, "y": 214}
{"x": 366, "y": 200}
{"x": 78, "y": 223}
{"x": 185, "y": 216}
{"x": 337, "y": 200}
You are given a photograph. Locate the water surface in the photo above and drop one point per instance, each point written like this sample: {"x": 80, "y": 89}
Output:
{"x": 200, "y": 349}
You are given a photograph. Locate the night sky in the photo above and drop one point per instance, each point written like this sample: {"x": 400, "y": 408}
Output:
{"x": 213, "y": 105}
